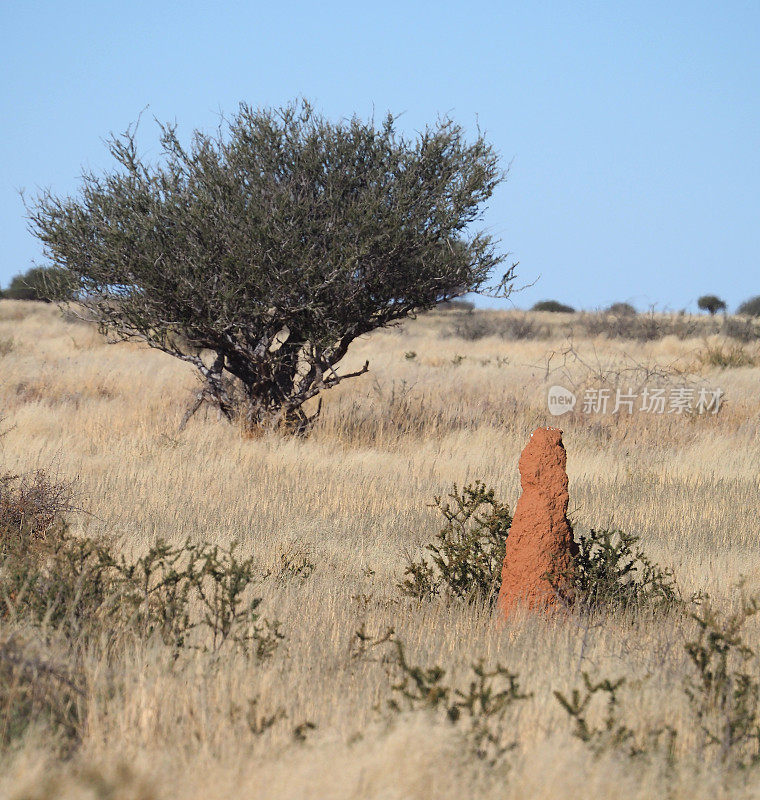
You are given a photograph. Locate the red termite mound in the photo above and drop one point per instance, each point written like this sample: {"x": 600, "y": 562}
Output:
{"x": 540, "y": 540}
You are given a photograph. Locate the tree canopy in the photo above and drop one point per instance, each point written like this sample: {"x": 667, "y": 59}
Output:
{"x": 259, "y": 253}
{"x": 711, "y": 303}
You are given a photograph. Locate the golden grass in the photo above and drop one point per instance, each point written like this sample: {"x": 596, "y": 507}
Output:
{"x": 353, "y": 498}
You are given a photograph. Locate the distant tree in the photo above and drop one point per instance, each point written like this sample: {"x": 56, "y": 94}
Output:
{"x": 259, "y": 254}
{"x": 751, "y": 307}
{"x": 39, "y": 283}
{"x": 711, "y": 303}
{"x": 553, "y": 305}
{"x": 622, "y": 310}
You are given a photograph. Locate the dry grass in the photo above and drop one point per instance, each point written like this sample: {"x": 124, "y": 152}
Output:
{"x": 353, "y": 499}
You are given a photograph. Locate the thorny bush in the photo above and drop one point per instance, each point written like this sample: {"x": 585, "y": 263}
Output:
{"x": 466, "y": 558}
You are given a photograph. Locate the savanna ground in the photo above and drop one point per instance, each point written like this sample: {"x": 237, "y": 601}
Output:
{"x": 333, "y": 519}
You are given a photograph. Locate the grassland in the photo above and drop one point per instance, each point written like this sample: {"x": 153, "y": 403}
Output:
{"x": 353, "y": 500}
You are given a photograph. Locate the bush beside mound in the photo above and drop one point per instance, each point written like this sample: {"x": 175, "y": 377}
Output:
{"x": 611, "y": 571}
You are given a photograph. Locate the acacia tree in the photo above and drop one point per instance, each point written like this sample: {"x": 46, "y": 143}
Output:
{"x": 259, "y": 253}
{"x": 711, "y": 303}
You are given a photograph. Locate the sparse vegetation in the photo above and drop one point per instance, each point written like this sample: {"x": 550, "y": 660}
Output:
{"x": 456, "y": 305}
{"x": 743, "y": 330}
{"x": 75, "y": 587}
{"x": 481, "y": 707}
{"x": 726, "y": 356}
{"x": 515, "y": 327}
{"x": 195, "y": 595}
{"x": 36, "y": 692}
{"x": 331, "y": 522}
{"x": 649, "y": 327}
{"x": 611, "y": 733}
{"x": 724, "y": 690}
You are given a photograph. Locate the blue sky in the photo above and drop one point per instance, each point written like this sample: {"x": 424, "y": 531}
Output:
{"x": 633, "y": 129}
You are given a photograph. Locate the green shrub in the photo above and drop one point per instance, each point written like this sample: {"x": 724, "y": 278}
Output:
{"x": 724, "y": 690}
{"x": 467, "y": 556}
{"x": 611, "y": 571}
{"x": 554, "y": 306}
{"x": 192, "y": 594}
{"x": 70, "y": 590}
{"x": 612, "y": 733}
{"x": 750, "y": 308}
{"x": 36, "y": 692}
{"x": 157, "y": 594}
{"x": 480, "y": 708}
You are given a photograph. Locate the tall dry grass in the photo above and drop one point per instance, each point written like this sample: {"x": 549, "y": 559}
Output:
{"x": 353, "y": 500}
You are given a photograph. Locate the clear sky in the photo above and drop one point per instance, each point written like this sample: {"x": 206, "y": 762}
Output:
{"x": 633, "y": 128}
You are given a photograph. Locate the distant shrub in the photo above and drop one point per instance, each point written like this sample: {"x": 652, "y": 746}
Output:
{"x": 523, "y": 327}
{"x": 750, "y": 308}
{"x": 472, "y": 328}
{"x": 41, "y": 284}
{"x": 456, "y": 305}
{"x": 648, "y": 327}
{"x": 726, "y": 357}
{"x": 711, "y": 303}
{"x": 744, "y": 330}
{"x": 512, "y": 327}
{"x": 622, "y": 310}
{"x": 553, "y": 305}
{"x": 467, "y": 556}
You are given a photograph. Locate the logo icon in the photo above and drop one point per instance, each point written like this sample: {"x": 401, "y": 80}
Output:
{"x": 560, "y": 400}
